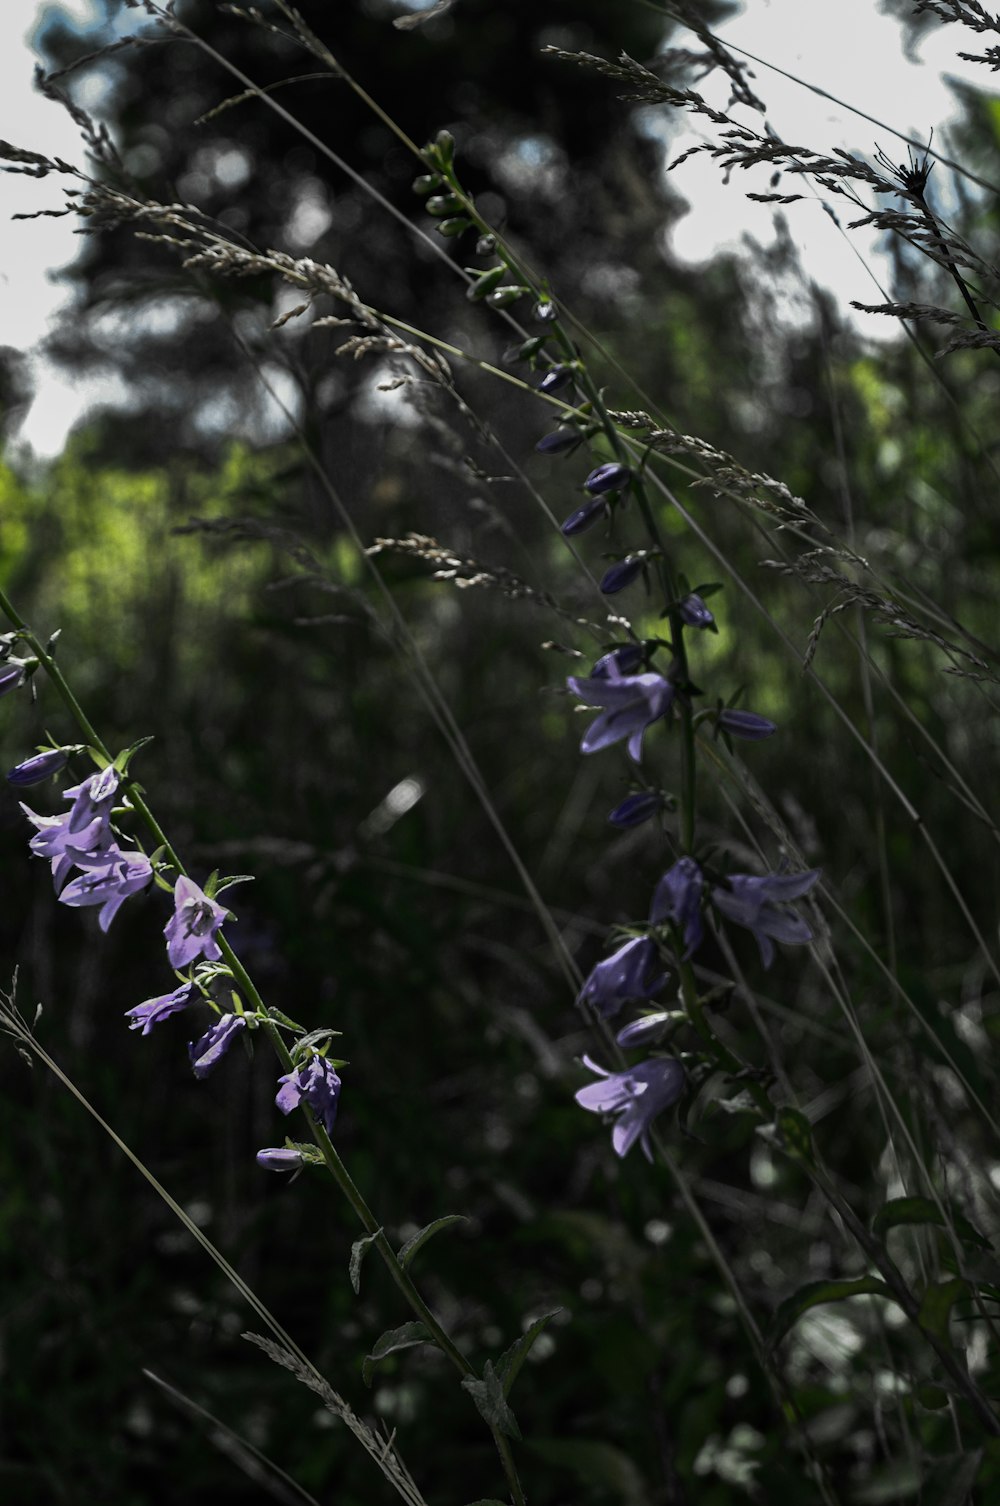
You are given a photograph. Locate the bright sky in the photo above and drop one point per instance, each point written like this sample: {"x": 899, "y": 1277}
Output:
{"x": 859, "y": 59}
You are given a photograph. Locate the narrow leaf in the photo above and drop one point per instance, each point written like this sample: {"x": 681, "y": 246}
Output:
{"x": 816, "y": 1292}
{"x": 921, "y": 1210}
{"x": 405, "y": 1337}
{"x": 513, "y": 1358}
{"x": 937, "y": 1303}
{"x": 407, "y": 1251}
{"x": 489, "y": 1398}
{"x": 359, "y": 1249}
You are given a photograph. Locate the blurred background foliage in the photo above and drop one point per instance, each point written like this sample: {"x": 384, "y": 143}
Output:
{"x": 292, "y": 741}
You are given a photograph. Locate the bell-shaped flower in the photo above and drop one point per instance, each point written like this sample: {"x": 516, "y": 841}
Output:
{"x": 635, "y": 1097}
{"x": 694, "y": 612}
{"x": 36, "y": 770}
{"x": 191, "y": 930}
{"x": 214, "y": 1044}
{"x": 677, "y": 897}
{"x": 631, "y": 704}
{"x": 315, "y": 1083}
{"x": 760, "y": 905}
{"x": 629, "y": 973}
{"x": 108, "y": 879}
{"x": 154, "y": 1011}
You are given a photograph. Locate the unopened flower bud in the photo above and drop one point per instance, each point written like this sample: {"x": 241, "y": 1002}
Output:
{"x": 746, "y": 724}
{"x": 545, "y": 312}
{"x": 279, "y": 1158}
{"x": 585, "y": 517}
{"x": 558, "y": 442}
{"x": 627, "y": 658}
{"x": 645, "y": 1031}
{"x": 555, "y": 379}
{"x": 637, "y": 808}
{"x": 11, "y": 676}
{"x": 694, "y": 612}
{"x": 41, "y": 767}
{"x": 621, "y": 575}
{"x": 607, "y": 478}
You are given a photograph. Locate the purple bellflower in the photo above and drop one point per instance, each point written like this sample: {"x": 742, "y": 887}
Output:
{"x": 85, "y": 828}
{"x": 626, "y": 658}
{"x": 635, "y": 1097}
{"x": 757, "y": 903}
{"x": 607, "y": 478}
{"x": 154, "y": 1011}
{"x": 745, "y": 724}
{"x": 316, "y": 1083}
{"x": 631, "y": 704}
{"x": 36, "y": 770}
{"x": 677, "y": 897}
{"x": 108, "y": 879}
{"x": 190, "y": 931}
{"x": 618, "y": 576}
{"x": 694, "y": 612}
{"x": 623, "y": 976}
{"x": 11, "y": 676}
{"x": 645, "y": 1031}
{"x": 214, "y": 1044}
{"x": 637, "y": 808}
{"x": 584, "y": 517}
{"x": 279, "y": 1158}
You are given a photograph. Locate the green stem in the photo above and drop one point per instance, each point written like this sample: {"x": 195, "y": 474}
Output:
{"x": 252, "y": 997}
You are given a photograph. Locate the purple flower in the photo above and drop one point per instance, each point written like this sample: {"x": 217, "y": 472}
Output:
{"x": 694, "y": 612}
{"x": 41, "y": 767}
{"x": 745, "y": 724}
{"x": 756, "y": 903}
{"x": 108, "y": 879}
{"x": 626, "y": 657}
{"x": 280, "y": 1158}
{"x": 607, "y": 478}
{"x": 645, "y": 1031}
{"x": 154, "y": 1011}
{"x": 214, "y": 1044}
{"x": 555, "y": 379}
{"x": 631, "y": 704}
{"x": 11, "y": 676}
{"x": 190, "y": 931}
{"x": 617, "y": 577}
{"x": 635, "y": 1097}
{"x": 623, "y": 976}
{"x": 637, "y": 808}
{"x": 315, "y": 1083}
{"x": 558, "y": 441}
{"x": 584, "y": 517}
{"x": 677, "y": 897}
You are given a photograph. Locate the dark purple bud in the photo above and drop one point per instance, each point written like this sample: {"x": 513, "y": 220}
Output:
{"x": 607, "y": 478}
{"x": 745, "y": 724}
{"x": 621, "y": 575}
{"x": 585, "y": 517}
{"x": 645, "y": 1031}
{"x": 279, "y": 1158}
{"x": 635, "y": 809}
{"x": 555, "y": 379}
{"x": 627, "y": 658}
{"x": 41, "y": 767}
{"x": 11, "y": 676}
{"x": 557, "y": 443}
{"x": 694, "y": 612}
{"x": 214, "y": 1044}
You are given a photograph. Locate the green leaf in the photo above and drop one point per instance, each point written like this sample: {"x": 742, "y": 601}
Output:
{"x": 813, "y": 1294}
{"x": 513, "y": 1358}
{"x": 921, "y": 1210}
{"x": 233, "y": 878}
{"x": 950, "y": 1479}
{"x": 488, "y": 1395}
{"x": 127, "y": 754}
{"x": 936, "y": 1305}
{"x": 359, "y": 1249}
{"x": 795, "y": 1132}
{"x": 407, "y": 1336}
{"x": 283, "y": 1019}
{"x": 406, "y": 1252}
{"x": 596, "y": 1464}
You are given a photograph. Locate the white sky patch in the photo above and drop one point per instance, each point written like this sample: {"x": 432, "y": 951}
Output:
{"x": 855, "y": 53}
